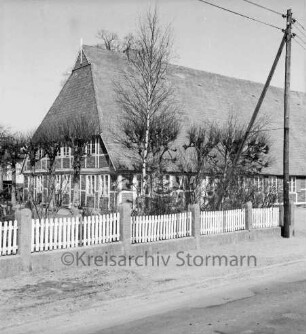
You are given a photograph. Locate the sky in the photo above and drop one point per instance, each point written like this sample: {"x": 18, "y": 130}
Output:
{"x": 40, "y": 39}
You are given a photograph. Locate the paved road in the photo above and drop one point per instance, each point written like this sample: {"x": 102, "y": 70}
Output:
{"x": 277, "y": 306}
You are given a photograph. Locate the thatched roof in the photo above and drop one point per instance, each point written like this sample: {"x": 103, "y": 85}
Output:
{"x": 203, "y": 96}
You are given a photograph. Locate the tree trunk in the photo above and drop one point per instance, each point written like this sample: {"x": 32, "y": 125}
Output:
{"x": 146, "y": 146}
{"x": 13, "y": 193}
{"x": 1, "y": 179}
{"x": 76, "y": 191}
{"x": 145, "y": 157}
{"x": 31, "y": 187}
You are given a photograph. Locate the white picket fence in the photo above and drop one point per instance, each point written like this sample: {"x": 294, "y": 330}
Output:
{"x": 163, "y": 227}
{"x": 8, "y": 237}
{"x": 101, "y": 229}
{"x": 214, "y": 222}
{"x": 61, "y": 233}
{"x": 265, "y": 217}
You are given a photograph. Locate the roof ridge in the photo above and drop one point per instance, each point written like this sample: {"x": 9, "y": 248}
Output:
{"x": 121, "y": 55}
{"x": 234, "y": 78}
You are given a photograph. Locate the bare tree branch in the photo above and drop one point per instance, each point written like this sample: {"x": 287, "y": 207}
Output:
{"x": 110, "y": 39}
{"x": 149, "y": 119}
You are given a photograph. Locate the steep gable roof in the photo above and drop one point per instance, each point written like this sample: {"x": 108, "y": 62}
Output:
{"x": 77, "y": 97}
{"x": 203, "y": 97}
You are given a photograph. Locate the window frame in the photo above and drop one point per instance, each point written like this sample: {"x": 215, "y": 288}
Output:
{"x": 104, "y": 185}
{"x": 292, "y": 184}
{"x": 90, "y": 185}
{"x": 66, "y": 151}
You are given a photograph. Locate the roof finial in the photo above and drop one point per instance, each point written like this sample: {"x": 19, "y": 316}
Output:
{"x": 81, "y": 49}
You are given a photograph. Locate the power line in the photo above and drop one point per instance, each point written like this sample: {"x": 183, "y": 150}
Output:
{"x": 300, "y": 30}
{"x": 300, "y": 24}
{"x": 299, "y": 44}
{"x": 263, "y": 7}
{"x": 300, "y": 39}
{"x": 242, "y": 15}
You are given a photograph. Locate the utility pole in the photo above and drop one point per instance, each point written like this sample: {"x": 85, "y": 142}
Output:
{"x": 286, "y": 231}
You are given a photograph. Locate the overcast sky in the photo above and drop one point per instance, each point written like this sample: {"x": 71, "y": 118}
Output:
{"x": 39, "y": 41}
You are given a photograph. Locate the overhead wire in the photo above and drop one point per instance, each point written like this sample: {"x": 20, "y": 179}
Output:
{"x": 242, "y": 15}
{"x": 297, "y": 36}
{"x": 297, "y": 42}
{"x": 300, "y": 30}
{"x": 263, "y": 7}
{"x": 297, "y": 21}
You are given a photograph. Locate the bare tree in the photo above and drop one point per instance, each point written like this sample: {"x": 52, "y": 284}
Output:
{"x": 253, "y": 158}
{"x": 228, "y": 182}
{"x": 3, "y": 136}
{"x": 146, "y": 97}
{"x": 210, "y": 152}
{"x": 128, "y": 44}
{"x": 77, "y": 133}
{"x": 110, "y": 39}
{"x": 201, "y": 142}
{"x": 14, "y": 149}
{"x": 31, "y": 150}
{"x": 49, "y": 139}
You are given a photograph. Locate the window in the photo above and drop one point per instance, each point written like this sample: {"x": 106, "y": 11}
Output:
{"x": 57, "y": 183}
{"x": 66, "y": 151}
{"x": 258, "y": 182}
{"x": 104, "y": 185}
{"x": 92, "y": 147}
{"x": 273, "y": 183}
{"x": 292, "y": 184}
{"x": 90, "y": 184}
{"x": 65, "y": 183}
{"x": 179, "y": 182}
{"x": 39, "y": 154}
{"x": 39, "y": 184}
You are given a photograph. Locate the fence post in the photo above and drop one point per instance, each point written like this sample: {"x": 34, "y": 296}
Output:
{"x": 292, "y": 219}
{"x": 125, "y": 225}
{"x": 248, "y": 216}
{"x": 24, "y": 220}
{"x": 195, "y": 222}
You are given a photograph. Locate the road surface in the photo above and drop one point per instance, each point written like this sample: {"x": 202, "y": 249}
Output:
{"x": 273, "y": 306}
